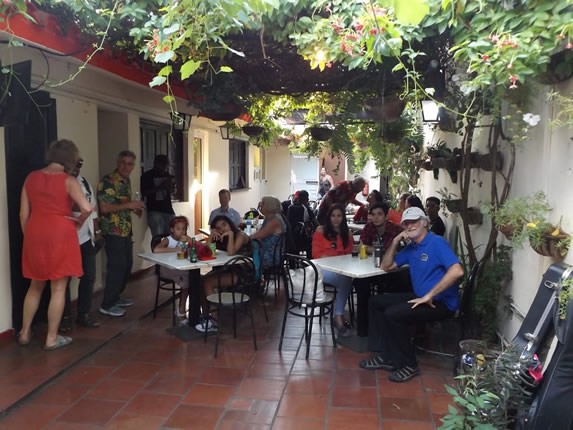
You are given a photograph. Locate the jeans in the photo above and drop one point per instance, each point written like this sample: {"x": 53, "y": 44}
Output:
{"x": 159, "y": 222}
{"x": 343, "y": 286}
{"x": 119, "y": 251}
{"x": 390, "y": 320}
{"x": 87, "y": 281}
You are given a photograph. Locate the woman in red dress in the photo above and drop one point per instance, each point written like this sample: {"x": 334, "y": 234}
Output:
{"x": 51, "y": 249}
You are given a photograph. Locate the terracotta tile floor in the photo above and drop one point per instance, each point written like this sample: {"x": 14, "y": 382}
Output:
{"x": 132, "y": 374}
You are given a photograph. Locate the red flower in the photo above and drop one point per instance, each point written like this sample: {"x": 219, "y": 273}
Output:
{"x": 485, "y": 58}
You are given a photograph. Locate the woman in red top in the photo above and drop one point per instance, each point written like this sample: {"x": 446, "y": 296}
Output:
{"x": 334, "y": 238}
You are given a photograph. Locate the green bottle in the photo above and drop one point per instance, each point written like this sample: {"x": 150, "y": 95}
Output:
{"x": 193, "y": 252}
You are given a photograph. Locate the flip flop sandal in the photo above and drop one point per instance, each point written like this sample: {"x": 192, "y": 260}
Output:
{"x": 61, "y": 341}
{"x": 404, "y": 374}
{"x": 377, "y": 362}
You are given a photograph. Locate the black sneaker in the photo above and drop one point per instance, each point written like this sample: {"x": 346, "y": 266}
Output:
{"x": 87, "y": 321}
{"x": 66, "y": 325}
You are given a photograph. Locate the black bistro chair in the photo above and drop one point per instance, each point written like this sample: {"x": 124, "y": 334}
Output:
{"x": 165, "y": 284}
{"x": 301, "y": 300}
{"x": 234, "y": 296}
{"x": 460, "y": 318}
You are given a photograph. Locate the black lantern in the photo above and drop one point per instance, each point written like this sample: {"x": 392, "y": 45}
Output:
{"x": 225, "y": 131}
{"x": 180, "y": 121}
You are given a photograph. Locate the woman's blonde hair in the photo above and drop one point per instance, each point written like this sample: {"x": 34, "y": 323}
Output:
{"x": 272, "y": 204}
{"x": 64, "y": 152}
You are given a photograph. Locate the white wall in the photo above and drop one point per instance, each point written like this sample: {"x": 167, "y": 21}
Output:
{"x": 543, "y": 163}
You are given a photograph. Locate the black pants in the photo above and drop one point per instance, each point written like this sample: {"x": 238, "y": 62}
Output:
{"x": 390, "y": 323}
{"x": 87, "y": 281}
{"x": 119, "y": 252}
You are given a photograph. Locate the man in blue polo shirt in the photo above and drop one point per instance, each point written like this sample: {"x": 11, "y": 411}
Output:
{"x": 435, "y": 272}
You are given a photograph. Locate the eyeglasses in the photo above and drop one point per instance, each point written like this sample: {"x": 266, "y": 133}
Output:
{"x": 79, "y": 163}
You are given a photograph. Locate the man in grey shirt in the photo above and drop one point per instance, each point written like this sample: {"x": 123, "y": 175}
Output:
{"x": 224, "y": 209}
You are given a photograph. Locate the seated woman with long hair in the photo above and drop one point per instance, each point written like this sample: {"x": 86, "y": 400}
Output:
{"x": 227, "y": 237}
{"x": 334, "y": 238}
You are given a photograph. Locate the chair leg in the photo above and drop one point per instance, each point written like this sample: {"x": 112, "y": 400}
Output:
{"x": 217, "y": 332}
{"x": 234, "y": 322}
{"x": 309, "y": 333}
{"x": 332, "y": 326}
{"x": 284, "y": 325}
{"x": 207, "y": 312}
{"x": 351, "y": 309}
{"x": 173, "y": 304}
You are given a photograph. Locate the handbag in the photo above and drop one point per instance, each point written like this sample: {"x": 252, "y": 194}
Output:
{"x": 298, "y": 278}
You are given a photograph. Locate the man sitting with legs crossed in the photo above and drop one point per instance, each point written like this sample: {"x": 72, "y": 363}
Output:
{"x": 435, "y": 272}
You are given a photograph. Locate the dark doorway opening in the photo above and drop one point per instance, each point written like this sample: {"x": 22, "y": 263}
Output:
{"x": 27, "y": 136}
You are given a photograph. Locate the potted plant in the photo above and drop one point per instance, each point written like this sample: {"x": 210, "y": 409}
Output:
{"x": 548, "y": 240}
{"x": 450, "y": 201}
{"x": 252, "y": 130}
{"x": 320, "y": 132}
{"x": 514, "y": 214}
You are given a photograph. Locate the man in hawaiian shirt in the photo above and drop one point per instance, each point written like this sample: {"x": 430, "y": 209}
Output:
{"x": 116, "y": 205}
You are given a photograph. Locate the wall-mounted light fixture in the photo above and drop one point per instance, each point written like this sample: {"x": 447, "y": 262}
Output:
{"x": 430, "y": 111}
{"x": 225, "y": 131}
{"x": 180, "y": 121}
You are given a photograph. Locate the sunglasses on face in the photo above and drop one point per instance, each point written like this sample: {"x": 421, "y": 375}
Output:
{"x": 79, "y": 163}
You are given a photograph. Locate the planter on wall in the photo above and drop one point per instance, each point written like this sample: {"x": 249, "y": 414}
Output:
{"x": 454, "y": 206}
{"x": 549, "y": 247}
{"x": 474, "y": 216}
{"x": 485, "y": 161}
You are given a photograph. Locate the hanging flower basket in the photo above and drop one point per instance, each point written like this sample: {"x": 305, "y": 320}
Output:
{"x": 508, "y": 231}
{"x": 227, "y": 112}
{"x": 253, "y": 130}
{"x": 320, "y": 133}
{"x": 555, "y": 246}
{"x": 387, "y": 109}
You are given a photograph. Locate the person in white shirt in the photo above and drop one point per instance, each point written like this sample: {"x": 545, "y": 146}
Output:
{"x": 224, "y": 209}
{"x": 88, "y": 235}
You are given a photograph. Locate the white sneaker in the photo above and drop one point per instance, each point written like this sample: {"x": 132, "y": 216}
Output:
{"x": 207, "y": 325}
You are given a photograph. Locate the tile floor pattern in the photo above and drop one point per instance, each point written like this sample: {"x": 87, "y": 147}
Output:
{"x": 141, "y": 378}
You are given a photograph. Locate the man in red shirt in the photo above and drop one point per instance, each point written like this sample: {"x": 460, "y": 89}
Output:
{"x": 379, "y": 227}
{"x": 343, "y": 193}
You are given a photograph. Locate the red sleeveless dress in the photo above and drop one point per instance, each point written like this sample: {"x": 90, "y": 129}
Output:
{"x": 51, "y": 246}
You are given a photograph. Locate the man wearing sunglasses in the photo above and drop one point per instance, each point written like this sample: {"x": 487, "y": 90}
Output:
{"x": 88, "y": 234}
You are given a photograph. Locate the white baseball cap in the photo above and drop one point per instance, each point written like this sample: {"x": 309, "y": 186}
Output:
{"x": 413, "y": 214}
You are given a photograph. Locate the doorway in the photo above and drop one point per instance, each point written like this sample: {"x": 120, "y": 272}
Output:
{"x": 26, "y": 141}
{"x": 304, "y": 175}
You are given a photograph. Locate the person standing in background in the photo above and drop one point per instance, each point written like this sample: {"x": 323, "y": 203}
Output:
{"x": 396, "y": 215}
{"x": 51, "y": 248}
{"x": 437, "y": 226}
{"x": 116, "y": 205}
{"x": 157, "y": 185}
{"x": 325, "y": 183}
{"x": 343, "y": 194}
{"x": 88, "y": 234}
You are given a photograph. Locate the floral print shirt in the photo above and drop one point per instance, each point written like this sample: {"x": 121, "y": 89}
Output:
{"x": 115, "y": 189}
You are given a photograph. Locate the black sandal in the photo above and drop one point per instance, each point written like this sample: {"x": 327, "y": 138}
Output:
{"x": 377, "y": 362}
{"x": 404, "y": 374}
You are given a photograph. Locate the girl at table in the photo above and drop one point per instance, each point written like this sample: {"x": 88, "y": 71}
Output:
{"x": 227, "y": 237}
{"x": 334, "y": 238}
{"x": 178, "y": 227}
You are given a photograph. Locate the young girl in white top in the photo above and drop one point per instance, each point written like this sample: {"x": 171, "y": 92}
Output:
{"x": 178, "y": 228}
